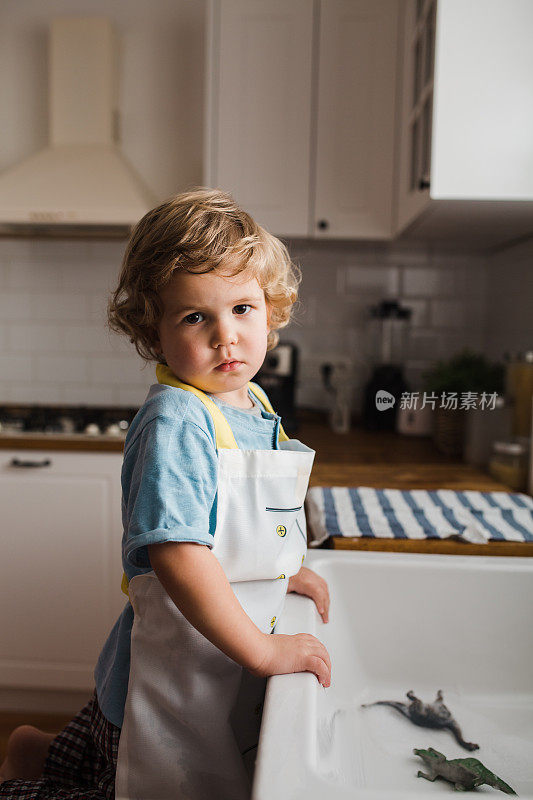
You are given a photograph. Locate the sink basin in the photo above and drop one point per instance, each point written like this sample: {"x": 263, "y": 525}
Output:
{"x": 399, "y": 622}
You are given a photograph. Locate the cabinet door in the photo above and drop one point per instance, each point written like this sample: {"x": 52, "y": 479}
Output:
{"x": 483, "y": 115}
{"x": 259, "y": 108}
{"x": 416, "y": 108}
{"x": 60, "y": 568}
{"x": 356, "y": 102}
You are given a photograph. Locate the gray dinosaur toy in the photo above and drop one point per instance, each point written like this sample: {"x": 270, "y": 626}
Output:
{"x": 432, "y": 715}
{"x": 464, "y": 773}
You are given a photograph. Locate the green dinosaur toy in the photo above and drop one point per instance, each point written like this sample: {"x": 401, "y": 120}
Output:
{"x": 464, "y": 773}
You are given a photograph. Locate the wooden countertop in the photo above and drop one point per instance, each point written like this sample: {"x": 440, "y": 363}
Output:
{"x": 386, "y": 459}
{"x": 61, "y": 441}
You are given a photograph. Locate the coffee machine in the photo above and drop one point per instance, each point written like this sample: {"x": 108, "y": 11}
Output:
{"x": 389, "y": 325}
{"x": 278, "y": 377}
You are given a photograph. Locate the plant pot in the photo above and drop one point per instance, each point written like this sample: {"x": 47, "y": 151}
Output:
{"x": 449, "y": 433}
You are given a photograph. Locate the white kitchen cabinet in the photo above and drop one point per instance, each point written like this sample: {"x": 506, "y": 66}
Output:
{"x": 60, "y": 568}
{"x": 300, "y": 113}
{"x": 259, "y": 108}
{"x": 466, "y": 133}
{"x": 355, "y": 119}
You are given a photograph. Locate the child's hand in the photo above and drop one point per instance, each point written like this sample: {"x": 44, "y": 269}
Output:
{"x": 300, "y": 652}
{"x": 312, "y": 585}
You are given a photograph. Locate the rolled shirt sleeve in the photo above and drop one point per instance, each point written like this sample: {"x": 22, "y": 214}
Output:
{"x": 169, "y": 482}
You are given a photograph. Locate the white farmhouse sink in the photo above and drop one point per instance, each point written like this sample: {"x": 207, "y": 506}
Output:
{"x": 463, "y": 624}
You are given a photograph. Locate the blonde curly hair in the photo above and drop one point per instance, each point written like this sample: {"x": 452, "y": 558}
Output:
{"x": 202, "y": 230}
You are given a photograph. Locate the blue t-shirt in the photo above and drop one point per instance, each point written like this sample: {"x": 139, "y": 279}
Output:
{"x": 169, "y": 494}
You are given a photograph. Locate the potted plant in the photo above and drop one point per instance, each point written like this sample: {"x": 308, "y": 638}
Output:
{"x": 466, "y": 371}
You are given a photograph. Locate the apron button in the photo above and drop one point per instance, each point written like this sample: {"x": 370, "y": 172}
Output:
{"x": 281, "y": 530}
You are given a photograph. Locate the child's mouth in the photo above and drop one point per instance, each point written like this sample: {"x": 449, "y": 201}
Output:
{"x": 228, "y": 366}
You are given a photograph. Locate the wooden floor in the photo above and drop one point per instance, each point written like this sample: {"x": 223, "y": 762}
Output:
{"x": 9, "y": 720}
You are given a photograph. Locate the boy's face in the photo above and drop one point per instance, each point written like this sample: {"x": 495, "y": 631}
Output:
{"x": 213, "y": 332}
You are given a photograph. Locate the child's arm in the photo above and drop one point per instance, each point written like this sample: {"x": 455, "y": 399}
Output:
{"x": 198, "y": 586}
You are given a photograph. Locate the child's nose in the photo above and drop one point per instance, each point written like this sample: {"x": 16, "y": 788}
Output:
{"x": 224, "y": 333}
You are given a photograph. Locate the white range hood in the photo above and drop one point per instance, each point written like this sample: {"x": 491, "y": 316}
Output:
{"x": 80, "y": 184}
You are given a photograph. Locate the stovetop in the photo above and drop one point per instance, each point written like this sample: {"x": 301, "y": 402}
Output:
{"x": 65, "y": 420}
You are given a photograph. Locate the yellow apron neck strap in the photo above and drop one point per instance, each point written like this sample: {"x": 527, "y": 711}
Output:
{"x": 261, "y": 396}
{"x": 224, "y": 435}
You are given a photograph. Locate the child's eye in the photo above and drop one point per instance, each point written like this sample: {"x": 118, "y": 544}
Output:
{"x": 241, "y": 309}
{"x": 194, "y": 318}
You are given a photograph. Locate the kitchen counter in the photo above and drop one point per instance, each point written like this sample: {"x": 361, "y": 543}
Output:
{"x": 380, "y": 459}
{"x": 358, "y": 458}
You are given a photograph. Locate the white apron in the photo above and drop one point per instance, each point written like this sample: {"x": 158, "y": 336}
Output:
{"x": 191, "y": 712}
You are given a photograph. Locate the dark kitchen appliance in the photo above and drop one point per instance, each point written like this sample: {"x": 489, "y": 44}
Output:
{"x": 65, "y": 420}
{"x": 278, "y": 377}
{"x": 389, "y": 327}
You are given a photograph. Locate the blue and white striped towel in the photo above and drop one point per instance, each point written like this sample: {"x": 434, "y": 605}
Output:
{"x": 418, "y": 514}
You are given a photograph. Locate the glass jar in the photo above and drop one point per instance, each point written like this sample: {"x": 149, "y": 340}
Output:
{"x": 508, "y": 464}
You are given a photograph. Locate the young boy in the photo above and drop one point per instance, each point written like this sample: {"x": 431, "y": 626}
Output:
{"x": 214, "y": 530}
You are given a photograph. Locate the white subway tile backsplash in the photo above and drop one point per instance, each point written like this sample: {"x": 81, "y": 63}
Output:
{"x": 423, "y": 345}
{"x": 456, "y": 259}
{"x": 15, "y": 306}
{"x": 95, "y": 394}
{"x": 94, "y": 339}
{"x": 428, "y": 282}
{"x": 89, "y": 277}
{"x": 116, "y": 371}
{"x": 310, "y": 394}
{"x": 14, "y": 368}
{"x": 97, "y": 308}
{"x": 447, "y": 313}
{"x": 32, "y": 392}
{"x": 58, "y": 306}
{"x": 57, "y": 348}
{"x": 406, "y": 255}
{"x": 451, "y": 342}
{"x": 32, "y": 337}
{"x": 384, "y": 280}
{"x": 414, "y": 374}
{"x": 132, "y": 395}
{"x": 33, "y": 276}
{"x": 66, "y": 369}
{"x": 419, "y": 311}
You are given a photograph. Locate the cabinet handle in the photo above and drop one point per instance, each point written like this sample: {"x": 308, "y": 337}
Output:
{"x": 322, "y": 224}
{"x": 17, "y": 462}
{"x": 423, "y": 184}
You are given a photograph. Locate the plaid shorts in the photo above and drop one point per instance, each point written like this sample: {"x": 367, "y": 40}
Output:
{"x": 80, "y": 765}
